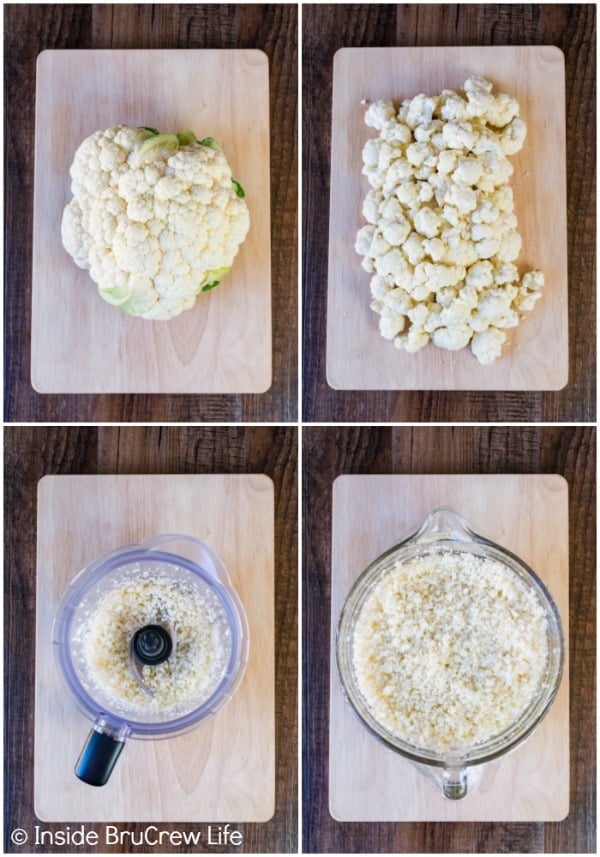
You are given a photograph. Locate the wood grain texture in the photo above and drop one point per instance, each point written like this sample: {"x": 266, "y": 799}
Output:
{"x": 80, "y": 344}
{"x": 358, "y": 358}
{"x": 32, "y": 452}
{"x": 329, "y": 28}
{"x": 368, "y": 782}
{"x": 30, "y": 29}
{"x": 223, "y": 769}
{"x": 329, "y": 452}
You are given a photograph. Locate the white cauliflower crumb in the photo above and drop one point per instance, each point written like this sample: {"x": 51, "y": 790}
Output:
{"x": 182, "y": 682}
{"x": 157, "y": 219}
{"x": 440, "y": 203}
{"x": 449, "y": 650}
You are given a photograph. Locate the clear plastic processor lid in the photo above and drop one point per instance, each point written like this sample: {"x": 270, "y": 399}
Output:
{"x": 151, "y": 639}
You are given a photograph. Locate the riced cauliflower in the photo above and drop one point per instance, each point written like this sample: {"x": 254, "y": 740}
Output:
{"x": 449, "y": 650}
{"x": 441, "y": 234}
{"x": 156, "y": 218}
{"x": 183, "y": 681}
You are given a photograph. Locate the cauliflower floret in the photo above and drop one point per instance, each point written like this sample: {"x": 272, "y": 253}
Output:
{"x": 418, "y": 315}
{"x": 395, "y": 231}
{"x": 425, "y": 191}
{"x": 417, "y": 153}
{"x": 459, "y": 251}
{"x": 513, "y": 137}
{"x": 529, "y": 291}
{"x": 502, "y": 198}
{"x": 435, "y": 248}
{"x": 506, "y": 273}
{"x": 447, "y": 160}
{"x": 379, "y": 286}
{"x": 503, "y": 110}
{"x": 487, "y": 141}
{"x": 441, "y": 234}
{"x": 486, "y": 212}
{"x": 374, "y": 176}
{"x": 477, "y": 84}
{"x": 525, "y": 301}
{"x": 495, "y": 307}
{"x": 427, "y": 222}
{"x": 387, "y": 154}
{"x": 451, "y": 215}
{"x": 468, "y": 171}
{"x": 370, "y": 152}
{"x": 413, "y": 247}
{"x": 480, "y": 99}
{"x": 479, "y": 231}
{"x": 390, "y": 326}
{"x": 76, "y": 240}
{"x": 509, "y": 246}
{"x": 487, "y": 247}
{"x": 533, "y": 280}
{"x": 157, "y": 218}
{"x": 444, "y": 297}
{"x": 458, "y": 312}
{"x": 390, "y": 209}
{"x": 364, "y": 239}
{"x": 424, "y": 132}
{"x": 496, "y": 170}
{"x": 396, "y": 133}
{"x": 487, "y": 345}
{"x": 394, "y": 265}
{"x": 454, "y": 108}
{"x": 452, "y": 338}
{"x": 462, "y": 197}
{"x": 459, "y": 135}
{"x": 480, "y": 275}
{"x": 399, "y": 171}
{"x": 408, "y": 194}
{"x": 371, "y": 205}
{"x": 441, "y": 276}
{"x": 412, "y": 341}
{"x": 379, "y": 114}
{"x": 379, "y": 246}
{"x": 420, "y": 110}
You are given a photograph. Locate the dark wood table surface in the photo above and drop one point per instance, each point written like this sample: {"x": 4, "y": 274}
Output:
{"x": 325, "y": 29}
{"x": 29, "y": 29}
{"x": 33, "y": 451}
{"x": 328, "y": 452}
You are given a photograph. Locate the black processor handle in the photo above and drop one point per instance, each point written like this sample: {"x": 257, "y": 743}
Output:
{"x": 101, "y": 751}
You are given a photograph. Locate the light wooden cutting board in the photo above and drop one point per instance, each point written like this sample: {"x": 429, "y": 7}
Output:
{"x": 529, "y": 516}
{"x": 80, "y": 344}
{"x": 535, "y": 356}
{"x": 222, "y": 771}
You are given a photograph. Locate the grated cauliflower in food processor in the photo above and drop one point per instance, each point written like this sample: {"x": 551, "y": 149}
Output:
{"x": 192, "y": 672}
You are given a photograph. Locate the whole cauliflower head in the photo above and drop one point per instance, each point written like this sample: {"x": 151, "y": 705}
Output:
{"x": 156, "y": 218}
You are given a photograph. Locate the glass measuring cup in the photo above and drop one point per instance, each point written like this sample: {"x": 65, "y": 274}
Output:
{"x": 455, "y": 772}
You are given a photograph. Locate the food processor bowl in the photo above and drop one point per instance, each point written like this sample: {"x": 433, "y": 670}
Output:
{"x": 156, "y": 676}
{"x": 455, "y": 772}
